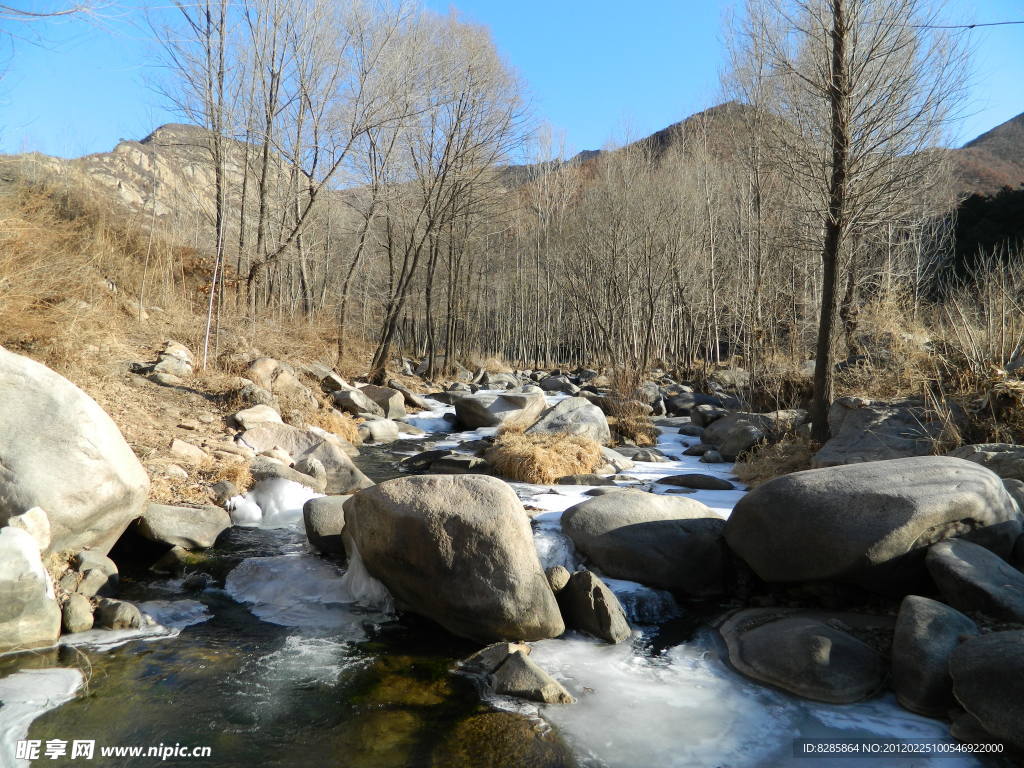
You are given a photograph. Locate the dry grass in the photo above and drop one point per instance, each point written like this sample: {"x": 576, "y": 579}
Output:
{"x": 342, "y": 424}
{"x": 492, "y": 364}
{"x": 631, "y": 424}
{"x": 542, "y": 459}
{"x": 167, "y": 489}
{"x": 627, "y": 416}
{"x": 766, "y": 462}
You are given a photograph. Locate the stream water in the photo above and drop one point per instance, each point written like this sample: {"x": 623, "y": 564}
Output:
{"x": 271, "y": 663}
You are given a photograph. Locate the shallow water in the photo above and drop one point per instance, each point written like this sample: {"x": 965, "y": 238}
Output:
{"x": 278, "y": 663}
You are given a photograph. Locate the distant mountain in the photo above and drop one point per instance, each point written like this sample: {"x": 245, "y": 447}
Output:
{"x": 993, "y": 160}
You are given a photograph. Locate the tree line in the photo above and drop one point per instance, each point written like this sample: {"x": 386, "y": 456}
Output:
{"x": 364, "y": 158}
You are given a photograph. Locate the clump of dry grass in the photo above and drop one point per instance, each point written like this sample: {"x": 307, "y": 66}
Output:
{"x": 768, "y": 461}
{"x": 343, "y": 425}
{"x": 492, "y": 364}
{"x": 632, "y": 424}
{"x": 627, "y": 416}
{"x": 542, "y": 459}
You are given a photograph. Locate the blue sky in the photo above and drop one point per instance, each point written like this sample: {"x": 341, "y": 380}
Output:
{"x": 596, "y": 70}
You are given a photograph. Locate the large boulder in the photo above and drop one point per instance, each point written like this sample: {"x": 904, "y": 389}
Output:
{"x": 29, "y": 614}
{"x": 868, "y": 524}
{"x": 185, "y": 527}
{"x": 1005, "y": 459}
{"x": 378, "y": 431}
{"x": 684, "y": 402}
{"x": 558, "y": 384}
{"x": 809, "y": 656}
{"x": 927, "y": 632}
{"x": 971, "y": 578}
{"x": 865, "y": 430}
{"x": 589, "y": 606}
{"x": 411, "y": 398}
{"x": 324, "y": 520}
{"x": 988, "y": 681}
{"x": 390, "y": 401}
{"x": 737, "y": 433}
{"x": 459, "y": 550}
{"x": 574, "y": 416}
{"x": 491, "y": 410}
{"x": 342, "y": 476}
{"x": 61, "y": 452}
{"x": 661, "y": 541}
{"x": 356, "y": 402}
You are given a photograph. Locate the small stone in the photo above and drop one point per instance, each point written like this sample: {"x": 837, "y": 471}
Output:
{"x": 589, "y": 606}
{"x": 188, "y": 453}
{"x": 520, "y": 677}
{"x": 77, "y": 614}
{"x": 711, "y": 457}
{"x": 99, "y": 574}
{"x": 257, "y": 414}
{"x": 698, "y": 481}
{"x": 117, "y": 614}
{"x": 558, "y": 577}
{"x": 222, "y": 491}
{"x": 488, "y": 659}
{"x": 175, "y": 560}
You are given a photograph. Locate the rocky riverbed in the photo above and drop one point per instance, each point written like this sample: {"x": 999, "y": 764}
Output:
{"x": 269, "y": 652}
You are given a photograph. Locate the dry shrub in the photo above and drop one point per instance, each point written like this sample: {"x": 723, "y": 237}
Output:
{"x": 492, "y": 364}
{"x": 343, "y": 425}
{"x": 630, "y": 422}
{"x": 627, "y": 415}
{"x": 897, "y": 349}
{"x": 768, "y": 461}
{"x": 542, "y": 459}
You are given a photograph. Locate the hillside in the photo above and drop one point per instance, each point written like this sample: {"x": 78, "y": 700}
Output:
{"x": 993, "y": 160}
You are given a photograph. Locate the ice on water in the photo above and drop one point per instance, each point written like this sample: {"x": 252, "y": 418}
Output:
{"x": 164, "y": 620}
{"x": 271, "y": 503}
{"x": 24, "y": 696}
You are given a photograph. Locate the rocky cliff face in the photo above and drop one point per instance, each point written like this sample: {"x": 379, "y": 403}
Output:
{"x": 168, "y": 175}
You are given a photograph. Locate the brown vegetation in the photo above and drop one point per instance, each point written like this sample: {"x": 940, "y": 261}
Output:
{"x": 542, "y": 459}
{"x": 766, "y": 462}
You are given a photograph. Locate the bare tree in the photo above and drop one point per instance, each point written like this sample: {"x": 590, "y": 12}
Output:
{"x": 862, "y": 89}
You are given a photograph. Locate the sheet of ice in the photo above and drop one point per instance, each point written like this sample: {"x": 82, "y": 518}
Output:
{"x": 686, "y": 708}
{"x": 362, "y": 588}
{"x": 298, "y": 590}
{"x": 433, "y": 420}
{"x": 555, "y": 548}
{"x": 271, "y": 503}
{"x": 673, "y": 710}
{"x": 24, "y": 696}
{"x": 166, "y": 619}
